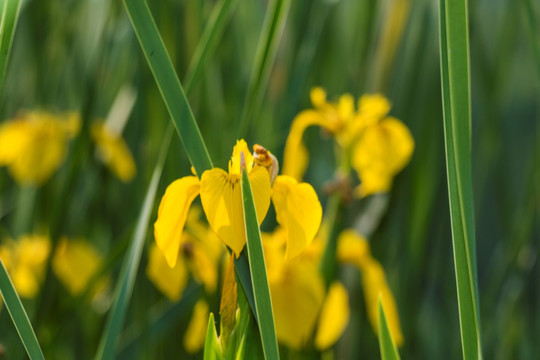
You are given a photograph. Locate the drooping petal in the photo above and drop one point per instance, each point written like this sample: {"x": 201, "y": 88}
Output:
{"x": 374, "y": 284}
{"x": 334, "y": 316}
{"x": 295, "y": 156}
{"x": 114, "y": 152}
{"x": 203, "y": 267}
{"x": 75, "y": 262}
{"x": 221, "y": 197}
{"x": 296, "y": 302}
{"x": 234, "y": 163}
{"x": 172, "y": 214}
{"x": 170, "y": 281}
{"x": 353, "y": 248}
{"x": 380, "y": 153}
{"x": 196, "y": 330}
{"x": 298, "y": 210}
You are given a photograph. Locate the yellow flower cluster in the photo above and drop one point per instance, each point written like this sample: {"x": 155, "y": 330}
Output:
{"x": 34, "y": 144}
{"x": 376, "y": 145}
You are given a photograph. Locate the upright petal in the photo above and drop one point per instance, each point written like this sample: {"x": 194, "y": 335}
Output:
{"x": 14, "y": 139}
{"x": 196, "y": 331}
{"x": 221, "y": 197}
{"x": 172, "y": 214}
{"x": 234, "y": 163}
{"x": 170, "y": 281}
{"x": 334, "y": 316}
{"x": 295, "y": 156}
{"x": 298, "y": 210}
{"x": 352, "y": 248}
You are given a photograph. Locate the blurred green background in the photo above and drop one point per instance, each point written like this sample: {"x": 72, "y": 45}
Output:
{"x": 76, "y": 55}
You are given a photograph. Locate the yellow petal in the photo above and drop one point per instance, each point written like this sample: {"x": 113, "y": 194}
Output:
{"x": 372, "y": 107}
{"x": 172, "y": 214}
{"x": 334, "y": 316}
{"x": 298, "y": 210}
{"x": 318, "y": 97}
{"x": 227, "y": 308}
{"x": 204, "y": 268}
{"x": 380, "y": 153}
{"x": 196, "y": 330}
{"x": 234, "y": 163}
{"x": 295, "y": 156}
{"x": 14, "y": 138}
{"x": 114, "y": 152}
{"x": 296, "y": 302}
{"x": 170, "y": 281}
{"x": 75, "y": 262}
{"x": 374, "y": 284}
{"x": 221, "y": 197}
{"x": 353, "y": 248}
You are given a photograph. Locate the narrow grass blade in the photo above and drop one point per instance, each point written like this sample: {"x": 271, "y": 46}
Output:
{"x": 454, "y": 45}
{"x": 261, "y": 290}
{"x": 8, "y": 22}
{"x": 386, "y": 343}
{"x": 168, "y": 84}
{"x": 18, "y": 315}
{"x": 266, "y": 52}
{"x": 126, "y": 280}
{"x": 212, "y": 350}
{"x": 207, "y": 44}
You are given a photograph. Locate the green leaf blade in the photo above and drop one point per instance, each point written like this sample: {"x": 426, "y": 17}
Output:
{"x": 18, "y": 315}
{"x": 261, "y": 290}
{"x": 454, "y": 48}
{"x": 168, "y": 83}
{"x": 386, "y": 343}
{"x": 212, "y": 349}
{"x": 8, "y": 23}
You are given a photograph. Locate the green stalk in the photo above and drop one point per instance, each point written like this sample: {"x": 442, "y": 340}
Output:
{"x": 454, "y": 46}
{"x": 8, "y": 22}
{"x": 261, "y": 290}
{"x": 168, "y": 84}
{"x": 18, "y": 315}
{"x": 126, "y": 281}
{"x": 273, "y": 25}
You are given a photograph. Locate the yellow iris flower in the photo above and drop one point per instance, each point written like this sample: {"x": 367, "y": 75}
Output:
{"x": 114, "y": 152}
{"x": 375, "y": 145}
{"x": 297, "y": 207}
{"x": 354, "y": 249}
{"x": 75, "y": 263}
{"x": 200, "y": 255}
{"x": 300, "y": 303}
{"x": 25, "y": 261}
{"x": 34, "y": 144}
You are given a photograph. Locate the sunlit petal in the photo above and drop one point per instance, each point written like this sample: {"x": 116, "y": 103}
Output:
{"x": 334, "y": 316}
{"x": 298, "y": 210}
{"x": 170, "y": 281}
{"x": 172, "y": 214}
{"x": 221, "y": 197}
{"x": 234, "y": 163}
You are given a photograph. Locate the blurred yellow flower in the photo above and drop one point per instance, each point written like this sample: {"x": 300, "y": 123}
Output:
{"x": 200, "y": 254}
{"x": 299, "y": 300}
{"x": 75, "y": 263}
{"x": 196, "y": 330}
{"x": 354, "y": 249}
{"x": 34, "y": 144}
{"x": 114, "y": 152}
{"x": 377, "y": 146}
{"x": 25, "y": 261}
{"x": 297, "y": 207}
